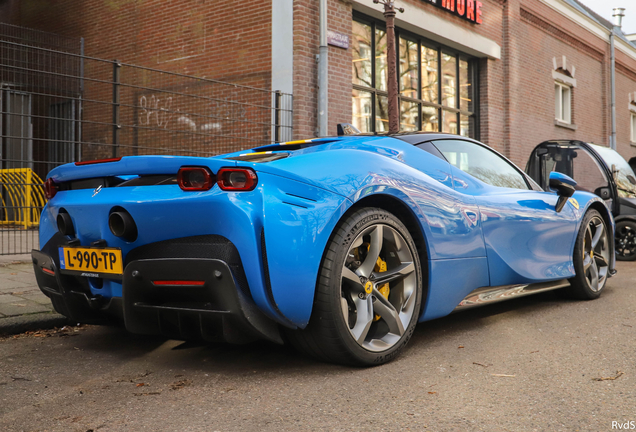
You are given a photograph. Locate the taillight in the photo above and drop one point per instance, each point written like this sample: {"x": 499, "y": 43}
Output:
{"x": 98, "y": 161}
{"x": 194, "y": 179}
{"x": 50, "y": 188}
{"x": 236, "y": 179}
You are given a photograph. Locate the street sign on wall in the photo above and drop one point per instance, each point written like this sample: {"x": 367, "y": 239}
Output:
{"x": 340, "y": 40}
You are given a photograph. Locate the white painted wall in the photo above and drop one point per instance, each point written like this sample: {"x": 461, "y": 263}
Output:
{"x": 283, "y": 58}
{"x": 283, "y": 45}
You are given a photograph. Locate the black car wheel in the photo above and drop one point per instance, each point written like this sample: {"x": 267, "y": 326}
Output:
{"x": 591, "y": 258}
{"x": 625, "y": 240}
{"x": 369, "y": 292}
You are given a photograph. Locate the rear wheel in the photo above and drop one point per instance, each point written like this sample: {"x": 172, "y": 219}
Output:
{"x": 625, "y": 240}
{"x": 591, "y": 258}
{"x": 369, "y": 292}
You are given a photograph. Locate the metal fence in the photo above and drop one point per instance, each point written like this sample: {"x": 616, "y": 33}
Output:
{"x": 58, "y": 105}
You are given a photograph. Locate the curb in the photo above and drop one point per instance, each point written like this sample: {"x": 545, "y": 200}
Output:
{"x": 18, "y": 261}
{"x": 38, "y": 321}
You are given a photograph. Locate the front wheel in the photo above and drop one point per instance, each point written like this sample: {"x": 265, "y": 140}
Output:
{"x": 625, "y": 240}
{"x": 369, "y": 292}
{"x": 591, "y": 258}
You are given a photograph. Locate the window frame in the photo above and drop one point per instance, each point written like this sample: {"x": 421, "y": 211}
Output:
{"x": 439, "y": 106}
{"x": 632, "y": 123}
{"x": 559, "y": 110}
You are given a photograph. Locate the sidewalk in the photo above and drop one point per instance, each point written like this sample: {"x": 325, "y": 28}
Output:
{"x": 23, "y": 307}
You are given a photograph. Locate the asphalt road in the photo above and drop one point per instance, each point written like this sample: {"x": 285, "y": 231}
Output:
{"x": 530, "y": 364}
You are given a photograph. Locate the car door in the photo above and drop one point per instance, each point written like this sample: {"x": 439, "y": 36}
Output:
{"x": 575, "y": 160}
{"x": 526, "y": 239}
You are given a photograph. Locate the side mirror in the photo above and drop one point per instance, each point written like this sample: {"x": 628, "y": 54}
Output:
{"x": 603, "y": 192}
{"x": 564, "y": 187}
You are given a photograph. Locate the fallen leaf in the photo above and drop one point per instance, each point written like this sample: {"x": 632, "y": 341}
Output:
{"x": 503, "y": 375}
{"x": 180, "y": 384}
{"x": 45, "y": 333}
{"x": 532, "y": 352}
{"x": 481, "y": 364}
{"x": 13, "y": 274}
{"x": 618, "y": 374}
{"x": 147, "y": 394}
{"x": 461, "y": 346}
{"x": 432, "y": 392}
{"x": 140, "y": 384}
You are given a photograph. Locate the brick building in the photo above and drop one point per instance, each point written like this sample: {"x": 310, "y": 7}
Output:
{"x": 511, "y": 73}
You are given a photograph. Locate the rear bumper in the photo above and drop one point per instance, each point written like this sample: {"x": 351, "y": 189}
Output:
{"x": 218, "y": 308}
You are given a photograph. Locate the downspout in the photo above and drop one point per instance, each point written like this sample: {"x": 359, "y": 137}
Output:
{"x": 618, "y": 15}
{"x": 612, "y": 142}
{"x": 323, "y": 67}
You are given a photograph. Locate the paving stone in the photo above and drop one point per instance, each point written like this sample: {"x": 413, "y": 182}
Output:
{"x": 36, "y": 297}
{"x": 21, "y": 308}
{"x": 9, "y": 298}
{"x": 28, "y": 278}
{"x": 9, "y": 284}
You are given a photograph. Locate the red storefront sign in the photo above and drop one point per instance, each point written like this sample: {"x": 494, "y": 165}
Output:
{"x": 468, "y": 9}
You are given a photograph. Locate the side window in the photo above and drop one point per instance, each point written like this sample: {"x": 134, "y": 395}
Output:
{"x": 587, "y": 173}
{"x": 430, "y": 148}
{"x": 481, "y": 163}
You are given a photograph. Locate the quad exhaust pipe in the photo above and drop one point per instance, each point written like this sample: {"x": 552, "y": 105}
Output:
{"x": 65, "y": 224}
{"x": 122, "y": 225}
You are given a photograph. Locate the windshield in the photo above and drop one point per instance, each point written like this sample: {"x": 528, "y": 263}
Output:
{"x": 624, "y": 175}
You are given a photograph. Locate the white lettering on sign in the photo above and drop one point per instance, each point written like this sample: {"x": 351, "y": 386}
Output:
{"x": 338, "y": 39}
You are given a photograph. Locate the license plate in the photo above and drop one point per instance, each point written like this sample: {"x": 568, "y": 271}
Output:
{"x": 91, "y": 262}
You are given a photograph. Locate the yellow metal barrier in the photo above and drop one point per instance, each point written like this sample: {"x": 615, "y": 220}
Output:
{"x": 24, "y": 193}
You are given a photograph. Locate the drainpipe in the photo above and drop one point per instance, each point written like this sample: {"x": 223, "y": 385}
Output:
{"x": 323, "y": 67}
{"x": 618, "y": 15}
{"x": 612, "y": 142}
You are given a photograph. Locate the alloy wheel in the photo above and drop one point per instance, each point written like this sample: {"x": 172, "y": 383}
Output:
{"x": 378, "y": 288}
{"x": 625, "y": 242}
{"x": 596, "y": 254}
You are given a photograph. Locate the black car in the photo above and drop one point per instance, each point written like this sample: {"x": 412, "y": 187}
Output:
{"x": 599, "y": 170}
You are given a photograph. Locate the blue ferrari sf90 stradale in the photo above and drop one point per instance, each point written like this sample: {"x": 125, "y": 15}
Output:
{"x": 340, "y": 245}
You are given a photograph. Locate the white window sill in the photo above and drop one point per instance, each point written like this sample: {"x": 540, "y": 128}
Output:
{"x": 565, "y": 125}
{"x": 632, "y": 143}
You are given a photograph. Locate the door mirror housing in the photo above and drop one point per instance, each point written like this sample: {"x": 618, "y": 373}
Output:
{"x": 564, "y": 187}
{"x": 603, "y": 192}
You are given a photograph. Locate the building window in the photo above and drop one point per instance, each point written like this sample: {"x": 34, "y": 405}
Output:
{"x": 564, "y": 85}
{"x": 633, "y": 126}
{"x": 563, "y": 102}
{"x": 435, "y": 84}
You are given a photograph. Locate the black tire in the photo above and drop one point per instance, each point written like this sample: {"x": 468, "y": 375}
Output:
{"x": 591, "y": 258}
{"x": 625, "y": 240}
{"x": 329, "y": 336}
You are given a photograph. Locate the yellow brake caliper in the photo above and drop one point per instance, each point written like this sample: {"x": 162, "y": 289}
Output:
{"x": 380, "y": 266}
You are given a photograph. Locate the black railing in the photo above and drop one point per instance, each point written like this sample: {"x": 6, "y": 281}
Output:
{"x": 58, "y": 105}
